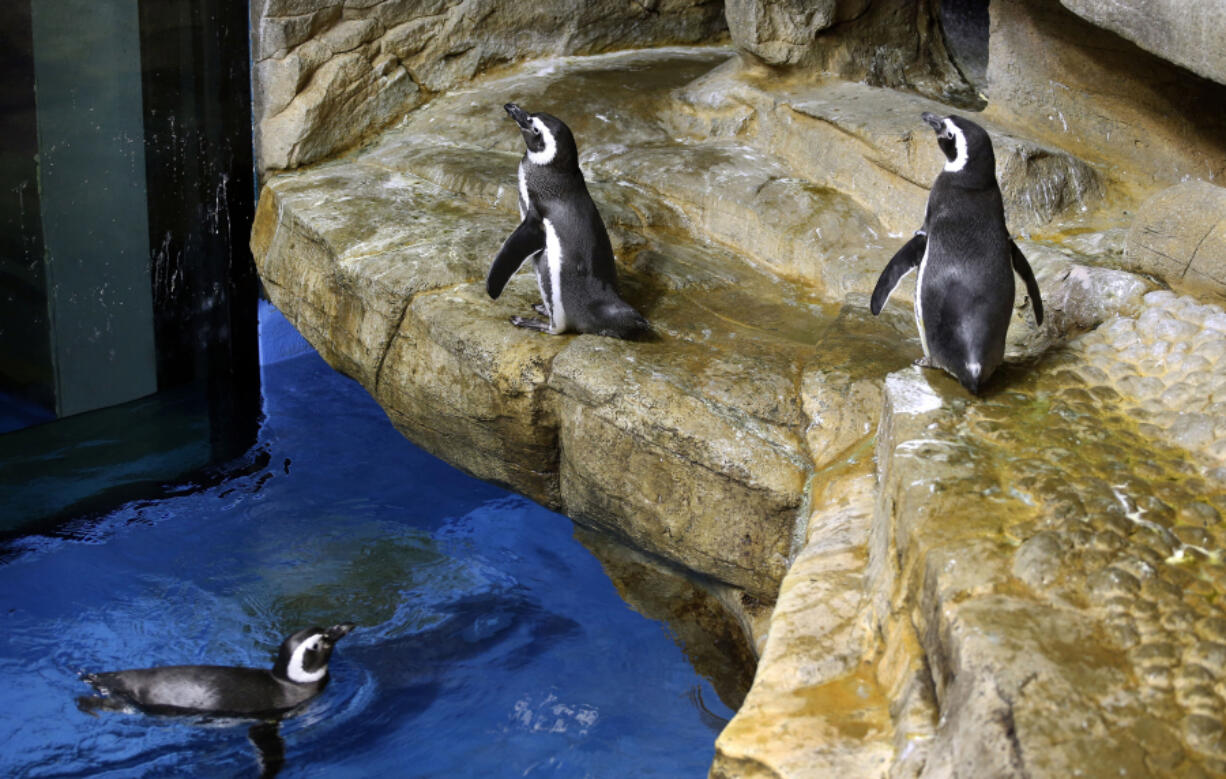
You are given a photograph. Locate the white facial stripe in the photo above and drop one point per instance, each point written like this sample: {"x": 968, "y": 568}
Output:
{"x": 553, "y": 259}
{"x": 296, "y": 672}
{"x": 959, "y": 160}
{"x": 919, "y": 304}
{"x": 545, "y": 155}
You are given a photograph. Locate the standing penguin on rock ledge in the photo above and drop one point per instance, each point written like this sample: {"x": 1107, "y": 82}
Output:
{"x": 564, "y": 235}
{"x": 966, "y": 260}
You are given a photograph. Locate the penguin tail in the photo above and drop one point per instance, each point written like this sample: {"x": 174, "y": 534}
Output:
{"x": 620, "y": 320}
{"x": 972, "y": 378}
{"x": 92, "y": 704}
{"x": 89, "y": 704}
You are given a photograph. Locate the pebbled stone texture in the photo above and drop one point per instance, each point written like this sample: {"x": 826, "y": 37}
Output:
{"x": 1060, "y": 542}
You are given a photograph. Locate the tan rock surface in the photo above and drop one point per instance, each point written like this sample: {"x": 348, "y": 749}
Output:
{"x": 1065, "y": 82}
{"x": 1054, "y": 546}
{"x": 561, "y": 419}
{"x": 871, "y": 144}
{"x": 889, "y": 43}
{"x": 1186, "y": 32}
{"x": 328, "y": 73}
{"x": 1024, "y": 584}
{"x": 1180, "y": 236}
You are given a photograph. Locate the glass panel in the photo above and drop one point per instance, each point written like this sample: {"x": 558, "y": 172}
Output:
{"x": 128, "y": 291}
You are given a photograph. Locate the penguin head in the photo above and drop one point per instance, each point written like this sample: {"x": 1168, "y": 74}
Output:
{"x": 550, "y": 142}
{"x": 967, "y": 147}
{"x": 303, "y": 657}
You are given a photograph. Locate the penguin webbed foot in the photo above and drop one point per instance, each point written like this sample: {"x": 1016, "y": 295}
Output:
{"x": 924, "y": 362}
{"x": 540, "y": 309}
{"x": 529, "y": 323}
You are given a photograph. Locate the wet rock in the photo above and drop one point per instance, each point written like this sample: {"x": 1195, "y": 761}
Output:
{"x": 343, "y": 247}
{"x": 658, "y": 442}
{"x": 930, "y": 465}
{"x": 472, "y": 388}
{"x": 816, "y": 707}
{"x": 841, "y": 387}
{"x": 1180, "y": 236}
{"x": 646, "y": 458}
{"x": 747, "y": 200}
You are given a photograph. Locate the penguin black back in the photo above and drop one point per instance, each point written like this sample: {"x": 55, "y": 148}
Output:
{"x": 299, "y": 674}
{"x": 965, "y": 258}
{"x": 562, "y": 232}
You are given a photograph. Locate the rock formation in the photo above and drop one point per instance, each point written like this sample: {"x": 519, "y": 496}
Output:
{"x": 1027, "y": 584}
{"x": 327, "y": 73}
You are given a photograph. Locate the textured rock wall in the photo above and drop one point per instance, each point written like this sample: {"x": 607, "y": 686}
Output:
{"x": 1063, "y": 80}
{"x": 329, "y": 72}
{"x": 1186, "y": 32}
{"x": 894, "y": 43}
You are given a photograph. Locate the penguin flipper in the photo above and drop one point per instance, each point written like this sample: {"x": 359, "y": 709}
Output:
{"x": 903, "y": 262}
{"x": 1032, "y": 287}
{"x": 527, "y": 239}
{"x": 266, "y": 738}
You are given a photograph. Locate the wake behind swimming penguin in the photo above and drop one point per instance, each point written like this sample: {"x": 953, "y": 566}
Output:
{"x": 562, "y": 232}
{"x": 966, "y": 260}
{"x": 299, "y": 675}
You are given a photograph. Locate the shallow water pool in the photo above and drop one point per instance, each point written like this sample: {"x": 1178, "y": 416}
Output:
{"x": 490, "y": 642}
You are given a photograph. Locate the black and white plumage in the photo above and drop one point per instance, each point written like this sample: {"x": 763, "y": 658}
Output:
{"x": 300, "y": 674}
{"x": 563, "y": 234}
{"x": 966, "y": 261}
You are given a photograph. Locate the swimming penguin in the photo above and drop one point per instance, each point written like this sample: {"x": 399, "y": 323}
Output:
{"x": 562, "y": 232}
{"x": 300, "y": 673}
{"x": 966, "y": 260}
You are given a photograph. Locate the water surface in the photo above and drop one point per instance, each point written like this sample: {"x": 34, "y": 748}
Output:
{"x": 490, "y": 642}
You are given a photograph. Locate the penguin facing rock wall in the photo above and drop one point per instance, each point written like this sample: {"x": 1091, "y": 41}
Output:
{"x": 966, "y": 261}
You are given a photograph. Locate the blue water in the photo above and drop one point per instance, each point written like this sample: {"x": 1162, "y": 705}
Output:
{"x": 490, "y": 642}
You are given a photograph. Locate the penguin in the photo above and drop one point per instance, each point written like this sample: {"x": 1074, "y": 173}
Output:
{"x": 300, "y": 674}
{"x": 966, "y": 261}
{"x": 563, "y": 234}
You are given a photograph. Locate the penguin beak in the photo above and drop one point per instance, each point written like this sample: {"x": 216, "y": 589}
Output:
{"x": 518, "y": 114}
{"x": 937, "y": 123}
{"x": 337, "y": 632}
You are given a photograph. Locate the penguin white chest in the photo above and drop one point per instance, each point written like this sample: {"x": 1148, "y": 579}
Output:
{"x": 919, "y": 300}
{"x": 553, "y": 264}
{"x": 523, "y": 192}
